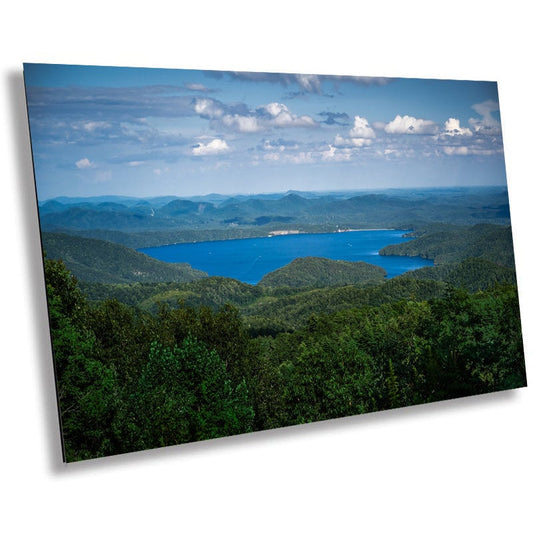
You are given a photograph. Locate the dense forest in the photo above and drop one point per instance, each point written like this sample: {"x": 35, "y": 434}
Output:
{"x": 149, "y": 354}
{"x": 107, "y": 262}
{"x": 130, "y": 380}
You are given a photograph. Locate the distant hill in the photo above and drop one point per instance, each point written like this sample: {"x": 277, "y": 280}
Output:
{"x": 164, "y": 220}
{"x": 452, "y": 244}
{"x": 322, "y": 272}
{"x": 106, "y": 262}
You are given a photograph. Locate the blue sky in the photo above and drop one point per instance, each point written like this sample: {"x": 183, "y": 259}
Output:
{"x": 149, "y": 132}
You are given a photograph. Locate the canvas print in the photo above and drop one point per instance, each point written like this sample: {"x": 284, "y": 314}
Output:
{"x": 229, "y": 252}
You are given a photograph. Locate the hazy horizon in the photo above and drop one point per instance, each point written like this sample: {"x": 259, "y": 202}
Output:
{"x": 280, "y": 192}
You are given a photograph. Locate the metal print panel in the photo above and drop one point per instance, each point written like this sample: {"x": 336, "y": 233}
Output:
{"x": 228, "y": 252}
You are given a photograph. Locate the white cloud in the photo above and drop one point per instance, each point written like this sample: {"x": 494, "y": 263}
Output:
{"x": 271, "y": 156}
{"x": 242, "y": 120}
{"x": 456, "y": 150}
{"x": 313, "y": 154}
{"x": 452, "y": 128}
{"x": 411, "y": 125}
{"x": 301, "y": 157}
{"x": 96, "y": 125}
{"x": 389, "y": 153}
{"x": 90, "y": 126}
{"x": 361, "y": 129}
{"x": 487, "y": 124}
{"x": 208, "y": 108}
{"x": 216, "y": 146}
{"x": 267, "y": 145}
{"x": 275, "y": 108}
{"x": 358, "y": 142}
{"x": 136, "y": 163}
{"x": 336, "y": 154}
{"x": 196, "y": 87}
{"x": 360, "y": 135}
{"x": 241, "y": 123}
{"x": 278, "y": 115}
{"x": 84, "y": 163}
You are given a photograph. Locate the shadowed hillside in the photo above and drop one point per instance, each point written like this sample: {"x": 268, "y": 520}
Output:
{"x": 101, "y": 261}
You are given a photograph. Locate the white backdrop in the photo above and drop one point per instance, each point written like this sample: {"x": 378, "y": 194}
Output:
{"x": 463, "y": 465}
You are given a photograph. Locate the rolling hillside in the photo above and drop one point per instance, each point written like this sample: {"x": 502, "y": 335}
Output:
{"x": 106, "y": 262}
{"x": 322, "y": 272}
{"x": 453, "y": 244}
{"x": 152, "y": 222}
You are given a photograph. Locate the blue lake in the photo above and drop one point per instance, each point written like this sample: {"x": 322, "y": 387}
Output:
{"x": 248, "y": 260}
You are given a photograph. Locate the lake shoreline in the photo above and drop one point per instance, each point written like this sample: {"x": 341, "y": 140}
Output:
{"x": 274, "y": 233}
{"x": 249, "y": 259}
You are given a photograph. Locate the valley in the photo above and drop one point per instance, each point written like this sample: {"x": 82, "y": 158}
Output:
{"x": 311, "y": 338}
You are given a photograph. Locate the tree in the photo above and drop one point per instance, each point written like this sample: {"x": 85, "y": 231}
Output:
{"x": 86, "y": 388}
{"x": 330, "y": 377}
{"x": 185, "y": 394}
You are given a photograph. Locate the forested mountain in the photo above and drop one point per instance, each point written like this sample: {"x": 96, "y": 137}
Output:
{"x": 452, "y": 244}
{"x": 101, "y": 261}
{"x": 132, "y": 380}
{"x": 150, "y": 354}
{"x": 285, "y": 298}
{"x": 322, "y": 272}
{"x": 157, "y": 221}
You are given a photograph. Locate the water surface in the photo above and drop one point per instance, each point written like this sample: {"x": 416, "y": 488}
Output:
{"x": 248, "y": 260}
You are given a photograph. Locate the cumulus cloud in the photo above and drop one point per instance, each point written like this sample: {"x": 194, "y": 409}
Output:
{"x": 452, "y": 128}
{"x": 360, "y": 135}
{"x": 84, "y": 163}
{"x": 411, "y": 125}
{"x": 241, "y": 123}
{"x": 208, "y": 108}
{"x": 487, "y": 124}
{"x": 480, "y": 139}
{"x": 362, "y": 129}
{"x": 278, "y": 115}
{"x": 243, "y": 120}
{"x": 214, "y": 147}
